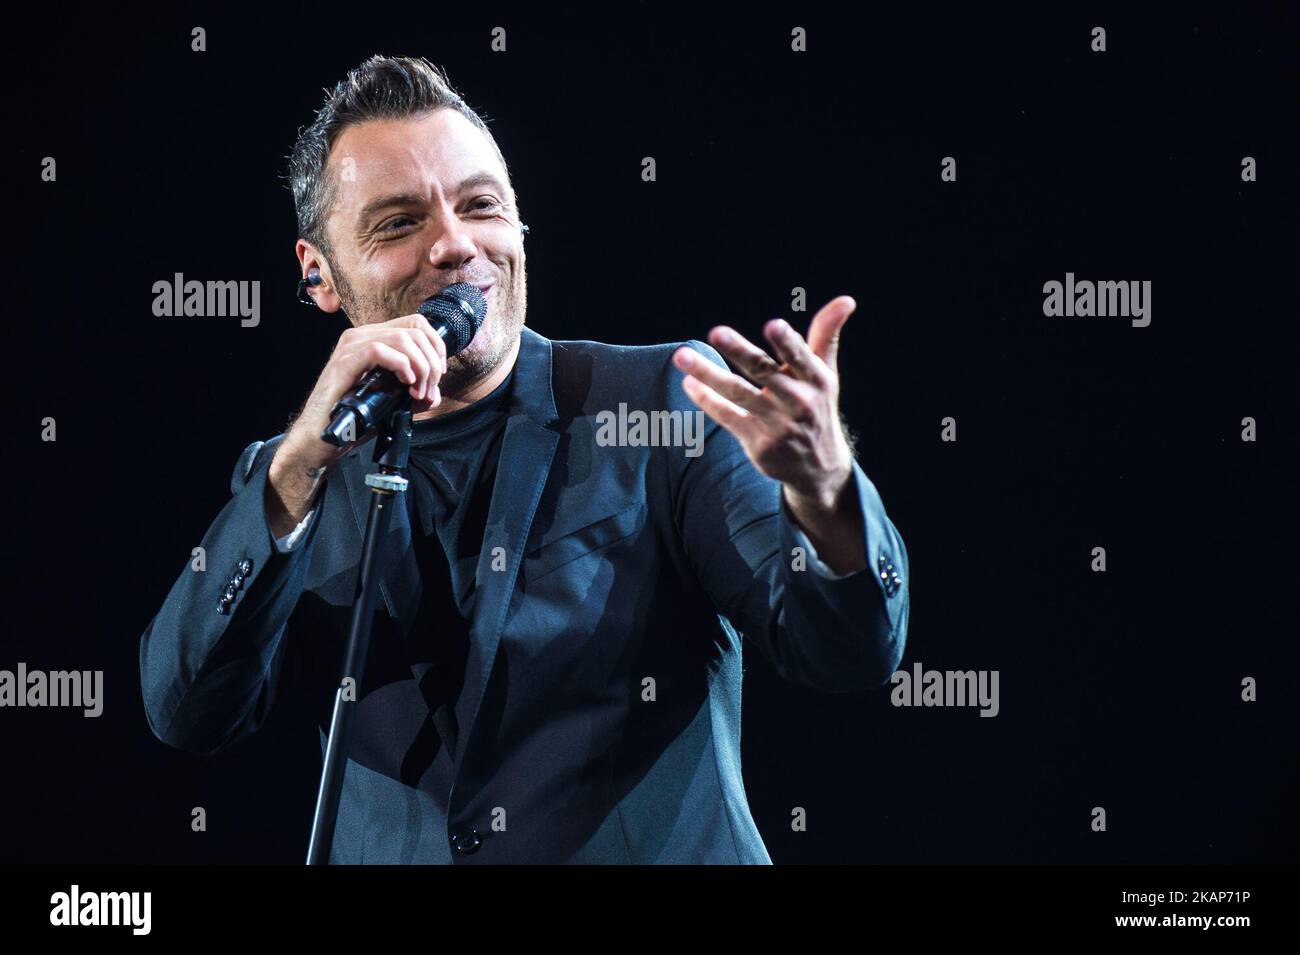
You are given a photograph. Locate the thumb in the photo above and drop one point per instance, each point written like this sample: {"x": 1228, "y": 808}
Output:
{"x": 824, "y": 333}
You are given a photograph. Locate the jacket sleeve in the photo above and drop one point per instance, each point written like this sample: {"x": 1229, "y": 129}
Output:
{"x": 213, "y": 659}
{"x": 834, "y": 635}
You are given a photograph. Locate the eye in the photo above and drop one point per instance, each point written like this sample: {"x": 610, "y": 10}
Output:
{"x": 477, "y": 206}
{"x": 396, "y": 224}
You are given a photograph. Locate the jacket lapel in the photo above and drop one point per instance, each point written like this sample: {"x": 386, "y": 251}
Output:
{"x": 527, "y": 450}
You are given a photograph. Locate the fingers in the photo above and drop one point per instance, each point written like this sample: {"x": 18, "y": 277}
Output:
{"x": 418, "y": 321}
{"x": 376, "y": 354}
{"x": 413, "y": 337}
{"x": 431, "y": 343}
{"x": 726, "y": 413}
{"x": 794, "y": 351}
{"x": 437, "y": 367}
{"x": 732, "y": 387}
{"x": 757, "y": 365}
{"x": 824, "y": 332}
{"x": 405, "y": 341}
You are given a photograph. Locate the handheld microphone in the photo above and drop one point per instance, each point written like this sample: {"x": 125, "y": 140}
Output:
{"x": 456, "y": 313}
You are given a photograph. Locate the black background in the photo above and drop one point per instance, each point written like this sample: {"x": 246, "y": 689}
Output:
{"x": 775, "y": 170}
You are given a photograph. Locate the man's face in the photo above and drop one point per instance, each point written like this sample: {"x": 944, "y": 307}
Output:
{"x": 421, "y": 204}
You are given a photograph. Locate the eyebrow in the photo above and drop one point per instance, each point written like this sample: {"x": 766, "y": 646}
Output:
{"x": 412, "y": 199}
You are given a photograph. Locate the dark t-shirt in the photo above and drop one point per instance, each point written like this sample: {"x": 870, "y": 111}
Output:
{"x": 452, "y": 468}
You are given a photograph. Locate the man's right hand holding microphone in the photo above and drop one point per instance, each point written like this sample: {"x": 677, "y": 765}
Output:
{"x": 409, "y": 347}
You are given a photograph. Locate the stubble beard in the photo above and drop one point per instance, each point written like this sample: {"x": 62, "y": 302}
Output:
{"x": 489, "y": 347}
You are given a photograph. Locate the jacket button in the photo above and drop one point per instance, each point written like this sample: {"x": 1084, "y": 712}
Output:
{"x": 223, "y": 605}
{"x": 889, "y": 576}
{"x": 245, "y": 566}
{"x": 467, "y": 842}
{"x": 229, "y": 595}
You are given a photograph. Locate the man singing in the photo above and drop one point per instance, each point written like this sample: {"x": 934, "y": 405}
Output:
{"x": 554, "y": 672}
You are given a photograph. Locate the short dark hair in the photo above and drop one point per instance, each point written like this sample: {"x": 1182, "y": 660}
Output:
{"x": 383, "y": 87}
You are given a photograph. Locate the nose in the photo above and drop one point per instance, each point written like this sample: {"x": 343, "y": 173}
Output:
{"x": 454, "y": 245}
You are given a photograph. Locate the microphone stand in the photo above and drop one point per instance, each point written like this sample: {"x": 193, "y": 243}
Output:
{"x": 392, "y": 444}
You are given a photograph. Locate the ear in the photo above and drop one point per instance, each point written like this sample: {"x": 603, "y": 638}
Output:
{"x": 323, "y": 294}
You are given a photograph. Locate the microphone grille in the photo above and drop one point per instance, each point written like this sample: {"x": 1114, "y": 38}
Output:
{"x": 461, "y": 308}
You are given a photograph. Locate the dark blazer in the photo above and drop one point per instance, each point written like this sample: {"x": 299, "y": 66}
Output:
{"x": 599, "y": 720}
